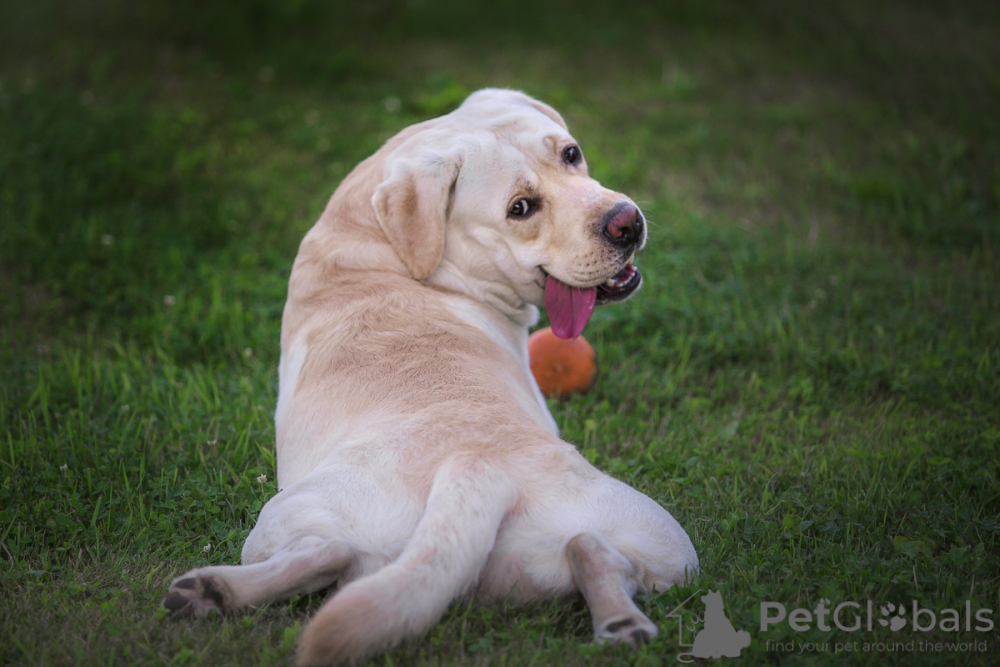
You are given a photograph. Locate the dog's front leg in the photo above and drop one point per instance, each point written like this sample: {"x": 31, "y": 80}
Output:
{"x": 608, "y": 581}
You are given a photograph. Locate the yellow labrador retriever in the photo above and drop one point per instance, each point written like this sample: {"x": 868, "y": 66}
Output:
{"x": 417, "y": 460}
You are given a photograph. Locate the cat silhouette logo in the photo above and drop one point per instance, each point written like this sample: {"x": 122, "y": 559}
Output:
{"x": 718, "y": 638}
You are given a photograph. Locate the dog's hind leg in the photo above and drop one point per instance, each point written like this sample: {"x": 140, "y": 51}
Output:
{"x": 449, "y": 547}
{"x": 302, "y": 543}
{"x": 306, "y": 564}
{"x": 608, "y": 581}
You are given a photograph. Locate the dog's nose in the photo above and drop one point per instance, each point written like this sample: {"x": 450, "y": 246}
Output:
{"x": 623, "y": 225}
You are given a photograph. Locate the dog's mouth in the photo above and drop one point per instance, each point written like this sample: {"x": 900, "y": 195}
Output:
{"x": 620, "y": 287}
{"x": 569, "y": 308}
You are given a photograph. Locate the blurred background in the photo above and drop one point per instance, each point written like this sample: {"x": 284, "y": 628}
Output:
{"x": 154, "y": 150}
{"x": 809, "y": 380}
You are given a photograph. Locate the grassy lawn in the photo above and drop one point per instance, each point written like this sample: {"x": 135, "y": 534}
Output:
{"x": 809, "y": 381}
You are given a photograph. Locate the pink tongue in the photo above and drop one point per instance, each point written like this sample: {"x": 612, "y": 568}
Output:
{"x": 569, "y": 308}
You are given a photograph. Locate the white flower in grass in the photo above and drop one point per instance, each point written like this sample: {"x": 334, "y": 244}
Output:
{"x": 247, "y": 352}
{"x": 169, "y": 300}
{"x": 207, "y": 547}
{"x": 126, "y": 408}
{"x": 107, "y": 240}
{"x": 64, "y": 467}
{"x": 262, "y": 478}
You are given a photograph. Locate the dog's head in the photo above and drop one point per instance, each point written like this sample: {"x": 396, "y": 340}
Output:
{"x": 495, "y": 200}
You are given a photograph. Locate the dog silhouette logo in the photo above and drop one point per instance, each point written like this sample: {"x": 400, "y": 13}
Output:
{"x": 718, "y": 638}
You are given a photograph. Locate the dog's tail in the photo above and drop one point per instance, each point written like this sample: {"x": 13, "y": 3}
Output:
{"x": 443, "y": 559}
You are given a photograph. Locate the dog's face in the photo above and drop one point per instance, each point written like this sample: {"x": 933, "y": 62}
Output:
{"x": 523, "y": 219}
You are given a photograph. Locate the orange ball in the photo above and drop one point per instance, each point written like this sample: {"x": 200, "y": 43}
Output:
{"x": 561, "y": 366}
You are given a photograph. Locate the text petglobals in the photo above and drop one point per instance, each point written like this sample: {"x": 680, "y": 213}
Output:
{"x": 845, "y": 616}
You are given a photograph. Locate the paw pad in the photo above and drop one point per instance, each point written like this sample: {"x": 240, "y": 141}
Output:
{"x": 195, "y": 596}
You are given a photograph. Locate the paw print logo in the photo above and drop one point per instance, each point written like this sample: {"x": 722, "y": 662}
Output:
{"x": 895, "y": 622}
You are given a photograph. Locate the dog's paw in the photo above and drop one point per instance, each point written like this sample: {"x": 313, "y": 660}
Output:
{"x": 628, "y": 628}
{"x": 197, "y": 594}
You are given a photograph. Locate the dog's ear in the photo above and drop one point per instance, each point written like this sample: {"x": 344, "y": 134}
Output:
{"x": 413, "y": 204}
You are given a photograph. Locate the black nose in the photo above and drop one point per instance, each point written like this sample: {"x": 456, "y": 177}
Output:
{"x": 622, "y": 225}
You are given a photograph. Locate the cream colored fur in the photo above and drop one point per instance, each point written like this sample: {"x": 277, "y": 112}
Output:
{"x": 417, "y": 460}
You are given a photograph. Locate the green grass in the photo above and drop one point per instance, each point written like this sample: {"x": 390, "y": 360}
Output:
{"x": 809, "y": 381}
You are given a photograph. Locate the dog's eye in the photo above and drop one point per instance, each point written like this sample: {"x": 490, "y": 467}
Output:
{"x": 521, "y": 208}
{"x": 571, "y": 155}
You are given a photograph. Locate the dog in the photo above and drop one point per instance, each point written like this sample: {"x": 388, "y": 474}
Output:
{"x": 417, "y": 460}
